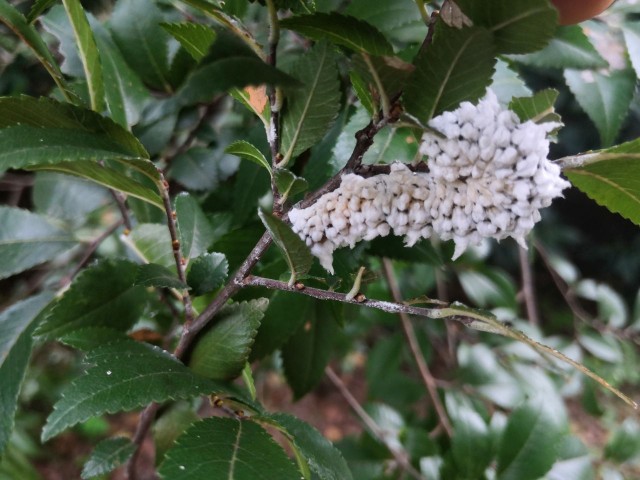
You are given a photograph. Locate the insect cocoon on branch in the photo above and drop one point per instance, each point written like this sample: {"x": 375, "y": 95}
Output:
{"x": 488, "y": 178}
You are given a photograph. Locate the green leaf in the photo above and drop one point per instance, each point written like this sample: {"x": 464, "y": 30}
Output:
{"x": 16, "y": 22}
{"x": 603, "y": 346}
{"x": 470, "y": 445}
{"x": 340, "y": 29}
{"x": 244, "y": 149}
{"x": 363, "y": 92}
{"x": 194, "y": 230}
{"x": 251, "y": 184}
{"x": 152, "y": 243}
{"x": 518, "y": 26}
{"x": 171, "y": 424}
{"x": 104, "y": 294}
{"x": 125, "y": 94}
{"x": 16, "y": 326}
{"x": 195, "y": 38}
{"x": 399, "y": 20}
{"x": 153, "y": 275}
{"x": 67, "y": 198}
{"x": 196, "y": 169}
{"x": 221, "y": 352}
{"x": 310, "y": 111}
{"x": 286, "y": 312}
{"x": 102, "y": 175}
{"x": 232, "y": 72}
{"x": 108, "y": 455}
{"x": 506, "y": 83}
{"x": 38, "y": 8}
{"x": 624, "y": 444}
{"x": 538, "y": 108}
{"x": 528, "y": 446}
{"x": 295, "y": 251}
{"x": 90, "y": 338}
{"x": 457, "y": 66}
{"x": 207, "y": 273}
{"x": 569, "y": 48}
{"x": 610, "y": 177}
{"x": 230, "y": 449}
{"x": 136, "y": 29}
{"x": 288, "y": 183}
{"x": 28, "y": 239}
{"x": 307, "y": 352}
{"x": 65, "y": 119}
{"x": 88, "y": 52}
{"x": 125, "y": 375}
{"x": 631, "y": 32}
{"x": 323, "y": 458}
{"x": 604, "y": 97}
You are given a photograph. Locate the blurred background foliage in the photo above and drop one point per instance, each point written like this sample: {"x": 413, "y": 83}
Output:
{"x": 514, "y": 414}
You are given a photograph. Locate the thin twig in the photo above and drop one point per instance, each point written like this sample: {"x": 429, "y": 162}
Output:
{"x": 400, "y": 455}
{"x": 410, "y": 334}
{"x": 274, "y": 101}
{"x": 190, "y": 331}
{"x": 176, "y": 247}
{"x": 391, "y": 307}
{"x": 91, "y": 248}
{"x": 144, "y": 423}
{"x": 121, "y": 201}
{"x": 528, "y": 287}
{"x": 364, "y": 140}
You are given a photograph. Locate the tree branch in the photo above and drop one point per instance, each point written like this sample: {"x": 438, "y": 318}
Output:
{"x": 176, "y": 247}
{"x": 391, "y": 307}
{"x": 412, "y": 340}
{"x": 91, "y": 248}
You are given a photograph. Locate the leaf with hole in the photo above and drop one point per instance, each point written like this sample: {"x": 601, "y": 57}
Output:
{"x": 104, "y": 294}
{"x": 28, "y": 239}
{"x": 108, "y": 455}
{"x": 295, "y": 251}
{"x": 222, "y": 350}
{"x": 457, "y": 66}
{"x": 227, "y": 448}
{"x": 125, "y": 375}
{"x": 309, "y": 112}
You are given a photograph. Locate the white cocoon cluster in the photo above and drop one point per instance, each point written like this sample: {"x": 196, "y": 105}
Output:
{"x": 488, "y": 177}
